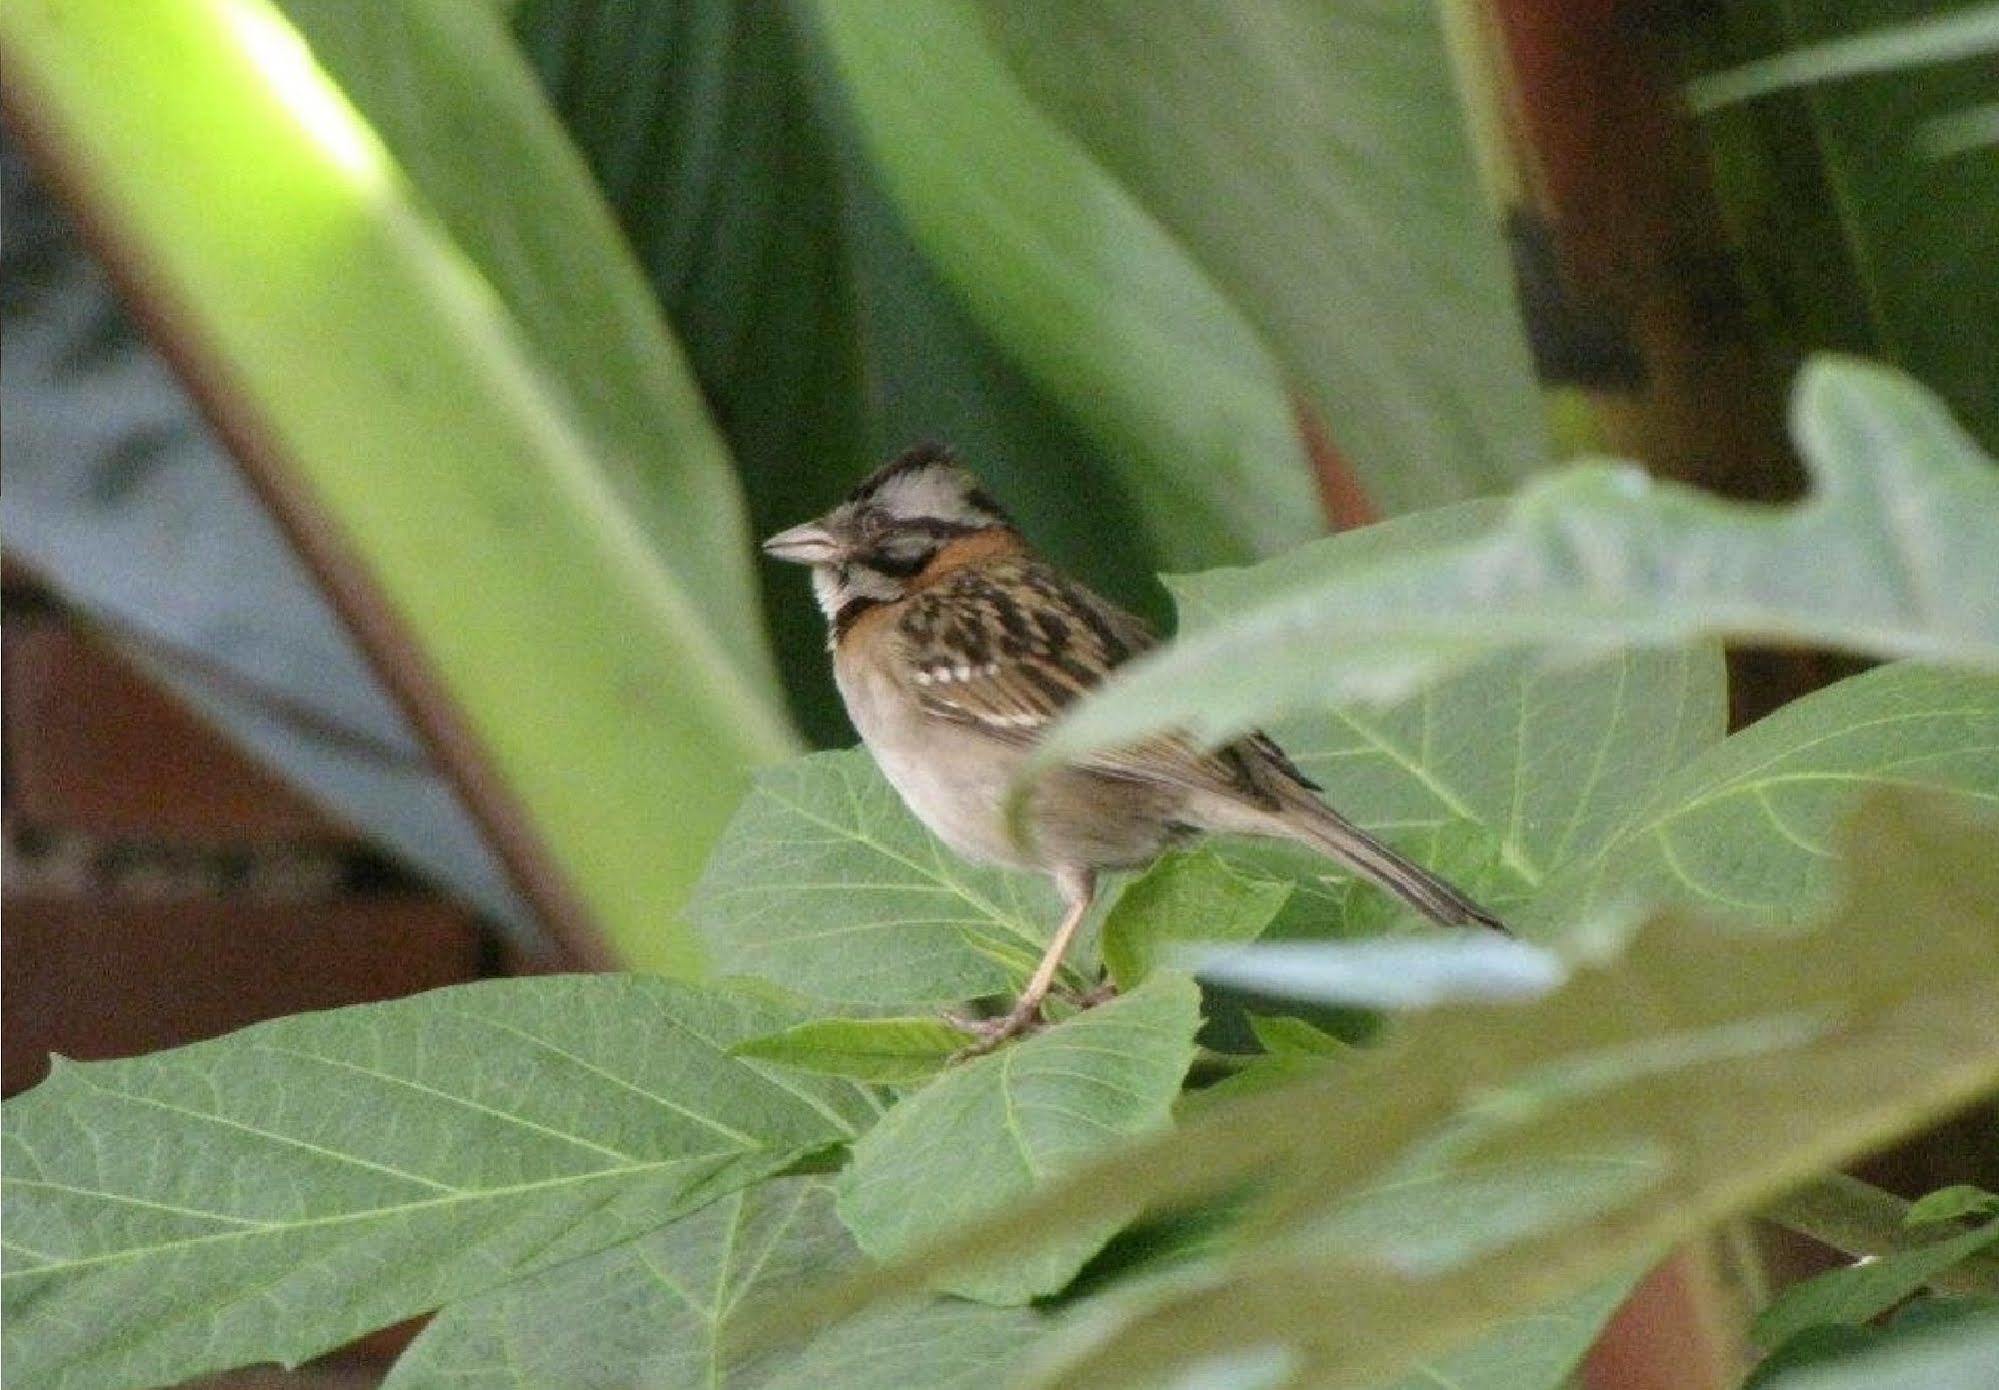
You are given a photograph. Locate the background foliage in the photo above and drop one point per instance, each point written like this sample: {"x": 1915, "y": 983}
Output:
{"x": 633, "y": 280}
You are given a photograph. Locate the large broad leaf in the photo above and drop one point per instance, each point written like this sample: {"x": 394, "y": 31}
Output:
{"x": 1312, "y": 159}
{"x": 668, "y": 1312}
{"x": 1891, "y": 556}
{"x": 1747, "y": 827}
{"x": 826, "y": 884}
{"x": 1076, "y": 280}
{"x": 991, "y": 1131}
{"x": 1497, "y": 775}
{"x": 1180, "y": 905}
{"x": 284, "y": 1189}
{"x": 345, "y": 336}
{"x": 1703, "y": 1071}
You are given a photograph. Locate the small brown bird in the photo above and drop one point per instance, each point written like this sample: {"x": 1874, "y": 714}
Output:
{"x": 956, "y": 648}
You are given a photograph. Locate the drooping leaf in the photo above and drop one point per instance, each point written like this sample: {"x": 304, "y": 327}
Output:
{"x": 281, "y": 1190}
{"x": 826, "y": 884}
{"x": 891, "y": 1051}
{"x": 382, "y": 369}
{"x": 992, "y": 1130}
{"x": 1312, "y": 159}
{"x": 1076, "y": 281}
{"x": 1890, "y": 556}
{"x": 1731, "y": 1063}
{"x": 1747, "y": 826}
{"x": 1860, "y": 1291}
{"x": 667, "y": 1311}
{"x": 1179, "y": 904}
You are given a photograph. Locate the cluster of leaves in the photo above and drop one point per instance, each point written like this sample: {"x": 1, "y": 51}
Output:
{"x": 621, "y": 1180}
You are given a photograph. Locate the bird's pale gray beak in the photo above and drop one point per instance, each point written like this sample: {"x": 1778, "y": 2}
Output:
{"x": 807, "y": 544}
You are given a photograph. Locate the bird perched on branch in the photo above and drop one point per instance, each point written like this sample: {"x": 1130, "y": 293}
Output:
{"x": 956, "y": 648}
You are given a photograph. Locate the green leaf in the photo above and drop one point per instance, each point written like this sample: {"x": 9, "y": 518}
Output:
{"x": 1951, "y": 1203}
{"x": 992, "y": 1130}
{"x": 669, "y": 1311}
{"x": 1747, "y": 826}
{"x": 1073, "y": 278}
{"x": 1539, "y": 1351}
{"x": 282, "y": 1190}
{"x": 1701, "y": 1073}
{"x": 1891, "y": 556}
{"x": 1284, "y": 1036}
{"x": 826, "y": 884}
{"x": 1861, "y": 1291}
{"x": 1312, "y": 159}
{"x": 891, "y": 1051}
{"x": 457, "y": 441}
{"x": 1181, "y": 902}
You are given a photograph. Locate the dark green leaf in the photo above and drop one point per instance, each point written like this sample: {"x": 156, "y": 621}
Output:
{"x": 1282, "y": 1035}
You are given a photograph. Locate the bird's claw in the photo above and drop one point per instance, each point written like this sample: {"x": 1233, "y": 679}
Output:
{"x": 989, "y": 1033}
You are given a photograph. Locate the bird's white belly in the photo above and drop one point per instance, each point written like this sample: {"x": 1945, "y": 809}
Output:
{"x": 953, "y": 779}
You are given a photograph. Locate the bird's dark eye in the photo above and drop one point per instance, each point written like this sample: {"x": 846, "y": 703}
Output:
{"x": 901, "y": 558}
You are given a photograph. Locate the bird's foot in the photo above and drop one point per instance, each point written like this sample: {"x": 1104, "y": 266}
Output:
{"x": 989, "y": 1033}
{"x": 1102, "y": 992}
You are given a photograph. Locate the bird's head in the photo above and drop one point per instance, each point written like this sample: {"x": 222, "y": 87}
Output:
{"x": 870, "y": 548}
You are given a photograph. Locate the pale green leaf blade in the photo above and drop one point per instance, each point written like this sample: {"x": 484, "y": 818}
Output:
{"x": 1179, "y": 904}
{"x": 1737, "y": 1063}
{"x": 1076, "y": 281}
{"x": 1891, "y": 555}
{"x": 825, "y": 884}
{"x": 889, "y": 1051}
{"x": 447, "y": 91}
{"x": 1413, "y": 972}
{"x": 992, "y": 1130}
{"x": 668, "y": 1312}
{"x": 415, "y": 436}
{"x": 1747, "y": 827}
{"x": 1312, "y": 159}
{"x": 281, "y": 1190}
{"x": 1861, "y": 1291}
{"x": 1938, "y": 38}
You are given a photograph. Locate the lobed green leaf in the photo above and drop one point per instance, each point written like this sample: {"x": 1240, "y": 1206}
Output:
{"x": 279, "y": 1191}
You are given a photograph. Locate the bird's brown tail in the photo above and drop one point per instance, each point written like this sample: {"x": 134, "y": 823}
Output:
{"x": 1312, "y": 822}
